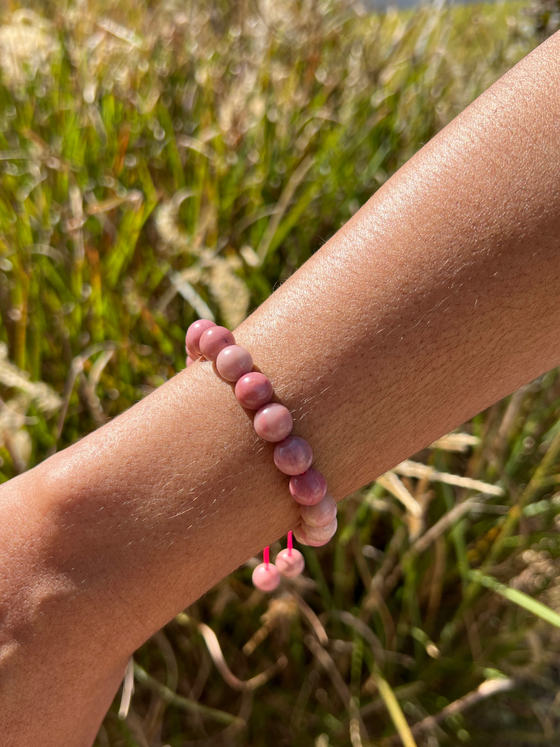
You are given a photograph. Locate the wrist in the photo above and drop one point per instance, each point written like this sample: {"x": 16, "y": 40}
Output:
{"x": 160, "y": 504}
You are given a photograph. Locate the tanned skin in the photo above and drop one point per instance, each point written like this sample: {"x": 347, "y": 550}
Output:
{"x": 438, "y": 298}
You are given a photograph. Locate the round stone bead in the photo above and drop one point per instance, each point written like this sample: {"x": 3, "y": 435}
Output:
{"x": 233, "y": 362}
{"x": 288, "y": 565}
{"x": 293, "y": 455}
{"x": 266, "y": 577}
{"x": 252, "y": 390}
{"x": 321, "y": 514}
{"x": 213, "y": 340}
{"x": 303, "y": 539}
{"x": 308, "y": 488}
{"x": 320, "y": 534}
{"x": 315, "y": 536}
{"x": 194, "y": 333}
{"x": 273, "y": 422}
{"x": 189, "y": 361}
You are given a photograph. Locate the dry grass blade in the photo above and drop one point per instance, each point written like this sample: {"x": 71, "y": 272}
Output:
{"x": 381, "y": 655}
{"x": 89, "y": 386}
{"x": 76, "y": 369}
{"x": 366, "y": 632}
{"x": 106, "y": 206}
{"x": 393, "y": 485}
{"x": 187, "y": 291}
{"x": 330, "y": 667}
{"x": 460, "y": 442}
{"x": 182, "y": 703}
{"x": 404, "y": 692}
{"x": 215, "y": 652}
{"x": 293, "y": 182}
{"x": 313, "y": 620}
{"x": 128, "y": 689}
{"x": 389, "y": 562}
{"x": 197, "y": 145}
{"x": 121, "y": 32}
{"x": 191, "y": 274}
{"x": 11, "y": 376}
{"x": 247, "y": 220}
{"x": 508, "y": 420}
{"x": 485, "y": 690}
{"x": 76, "y": 222}
{"x": 409, "y": 468}
{"x": 99, "y": 366}
{"x": 445, "y": 523}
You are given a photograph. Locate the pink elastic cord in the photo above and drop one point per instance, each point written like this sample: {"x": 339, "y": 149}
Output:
{"x": 266, "y": 555}
{"x": 290, "y": 542}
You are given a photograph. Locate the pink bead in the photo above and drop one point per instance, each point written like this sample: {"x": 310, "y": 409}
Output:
{"x": 308, "y": 488}
{"x": 273, "y": 422}
{"x": 293, "y": 455}
{"x": 321, "y": 514}
{"x": 252, "y": 390}
{"x": 288, "y": 565}
{"x": 213, "y": 340}
{"x": 266, "y": 577}
{"x": 320, "y": 534}
{"x": 194, "y": 334}
{"x": 233, "y": 362}
{"x": 315, "y": 536}
{"x": 189, "y": 361}
{"x": 303, "y": 539}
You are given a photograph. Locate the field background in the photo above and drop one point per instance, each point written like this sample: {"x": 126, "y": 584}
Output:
{"x": 161, "y": 161}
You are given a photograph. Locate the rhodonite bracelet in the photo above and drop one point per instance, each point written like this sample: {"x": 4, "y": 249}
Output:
{"x": 292, "y": 454}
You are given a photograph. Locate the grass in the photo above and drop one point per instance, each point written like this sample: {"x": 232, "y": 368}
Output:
{"x": 160, "y": 161}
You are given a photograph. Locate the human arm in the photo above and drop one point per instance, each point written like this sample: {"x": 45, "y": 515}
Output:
{"x": 424, "y": 309}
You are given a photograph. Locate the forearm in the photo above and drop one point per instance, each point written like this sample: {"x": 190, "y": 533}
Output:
{"x": 419, "y": 313}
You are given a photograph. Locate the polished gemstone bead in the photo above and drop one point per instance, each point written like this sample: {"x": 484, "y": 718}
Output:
{"x": 252, "y": 390}
{"x": 273, "y": 422}
{"x": 233, "y": 362}
{"x": 190, "y": 361}
{"x": 194, "y": 333}
{"x": 321, "y": 514}
{"x": 302, "y": 538}
{"x": 293, "y": 455}
{"x": 290, "y": 563}
{"x": 213, "y": 340}
{"x": 320, "y": 533}
{"x": 308, "y": 488}
{"x": 266, "y": 577}
{"x": 315, "y": 536}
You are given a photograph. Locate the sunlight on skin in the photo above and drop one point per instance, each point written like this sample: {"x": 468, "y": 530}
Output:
{"x": 424, "y": 309}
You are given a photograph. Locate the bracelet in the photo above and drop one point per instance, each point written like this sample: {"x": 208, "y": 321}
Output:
{"x": 292, "y": 454}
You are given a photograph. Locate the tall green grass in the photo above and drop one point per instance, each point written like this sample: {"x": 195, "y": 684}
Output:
{"x": 160, "y": 161}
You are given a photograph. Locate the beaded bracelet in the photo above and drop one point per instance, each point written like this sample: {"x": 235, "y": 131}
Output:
{"x": 292, "y": 454}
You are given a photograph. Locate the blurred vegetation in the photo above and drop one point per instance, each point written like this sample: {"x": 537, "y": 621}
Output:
{"x": 161, "y": 161}
{"x": 546, "y": 15}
